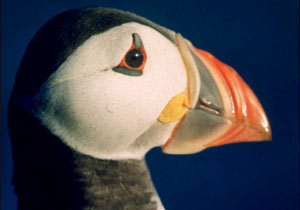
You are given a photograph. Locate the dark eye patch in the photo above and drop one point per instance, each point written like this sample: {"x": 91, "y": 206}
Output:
{"x": 134, "y": 60}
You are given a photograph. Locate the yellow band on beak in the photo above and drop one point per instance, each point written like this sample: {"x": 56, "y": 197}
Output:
{"x": 175, "y": 109}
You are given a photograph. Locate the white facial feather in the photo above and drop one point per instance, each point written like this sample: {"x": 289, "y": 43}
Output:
{"x": 106, "y": 114}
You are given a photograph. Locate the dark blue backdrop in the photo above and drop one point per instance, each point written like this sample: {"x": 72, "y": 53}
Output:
{"x": 260, "y": 39}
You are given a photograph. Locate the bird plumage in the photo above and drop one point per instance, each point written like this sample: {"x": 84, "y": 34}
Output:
{"x": 82, "y": 119}
{"x": 47, "y": 173}
{"x": 51, "y": 175}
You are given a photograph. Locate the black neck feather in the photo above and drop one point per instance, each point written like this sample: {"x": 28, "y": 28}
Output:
{"x": 50, "y": 175}
{"x": 122, "y": 184}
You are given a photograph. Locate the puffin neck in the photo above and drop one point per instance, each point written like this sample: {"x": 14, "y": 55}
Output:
{"x": 50, "y": 175}
{"x": 116, "y": 184}
{"x": 100, "y": 184}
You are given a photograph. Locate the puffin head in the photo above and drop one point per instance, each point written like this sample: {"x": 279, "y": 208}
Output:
{"x": 113, "y": 85}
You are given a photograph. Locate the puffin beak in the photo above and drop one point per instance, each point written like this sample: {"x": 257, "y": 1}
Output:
{"x": 217, "y": 108}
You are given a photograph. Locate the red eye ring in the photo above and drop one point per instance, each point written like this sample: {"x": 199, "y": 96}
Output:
{"x": 139, "y": 67}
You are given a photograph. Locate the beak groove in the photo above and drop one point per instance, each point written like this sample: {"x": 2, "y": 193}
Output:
{"x": 193, "y": 76}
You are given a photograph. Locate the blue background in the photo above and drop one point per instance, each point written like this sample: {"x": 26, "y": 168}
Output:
{"x": 260, "y": 39}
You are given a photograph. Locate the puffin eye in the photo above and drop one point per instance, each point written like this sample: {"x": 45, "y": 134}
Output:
{"x": 134, "y": 60}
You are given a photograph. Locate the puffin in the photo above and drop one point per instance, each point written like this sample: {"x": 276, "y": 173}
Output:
{"x": 97, "y": 88}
